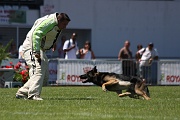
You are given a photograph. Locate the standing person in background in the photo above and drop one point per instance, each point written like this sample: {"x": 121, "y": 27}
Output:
{"x": 148, "y": 55}
{"x": 70, "y": 47}
{"x": 86, "y": 52}
{"x": 41, "y": 37}
{"x": 20, "y": 56}
{"x": 13, "y": 51}
{"x": 137, "y": 57}
{"x": 60, "y": 47}
{"x": 125, "y": 55}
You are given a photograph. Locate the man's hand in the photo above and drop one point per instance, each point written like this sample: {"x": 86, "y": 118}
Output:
{"x": 150, "y": 60}
{"x": 54, "y": 47}
{"x": 38, "y": 56}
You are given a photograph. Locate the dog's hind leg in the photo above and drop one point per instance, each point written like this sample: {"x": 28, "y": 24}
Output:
{"x": 141, "y": 93}
{"x": 144, "y": 88}
{"x": 142, "y": 85}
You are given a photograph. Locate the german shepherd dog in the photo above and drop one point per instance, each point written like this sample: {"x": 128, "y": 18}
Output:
{"x": 133, "y": 85}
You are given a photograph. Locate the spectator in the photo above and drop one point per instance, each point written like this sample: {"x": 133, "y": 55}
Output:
{"x": 20, "y": 56}
{"x": 138, "y": 56}
{"x": 86, "y": 52}
{"x": 41, "y": 37}
{"x": 125, "y": 55}
{"x": 60, "y": 48}
{"x": 13, "y": 50}
{"x": 148, "y": 55}
{"x": 70, "y": 47}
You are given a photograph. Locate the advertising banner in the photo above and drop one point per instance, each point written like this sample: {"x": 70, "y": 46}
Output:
{"x": 12, "y": 16}
{"x": 170, "y": 73}
{"x": 69, "y": 70}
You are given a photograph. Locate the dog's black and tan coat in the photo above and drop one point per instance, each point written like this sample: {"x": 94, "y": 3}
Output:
{"x": 133, "y": 85}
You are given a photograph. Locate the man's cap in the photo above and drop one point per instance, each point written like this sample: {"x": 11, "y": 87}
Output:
{"x": 151, "y": 44}
{"x": 75, "y": 34}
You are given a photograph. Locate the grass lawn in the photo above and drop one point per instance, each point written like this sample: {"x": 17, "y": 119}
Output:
{"x": 91, "y": 103}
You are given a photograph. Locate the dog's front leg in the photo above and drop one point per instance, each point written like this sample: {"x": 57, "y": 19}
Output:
{"x": 104, "y": 87}
{"x": 124, "y": 94}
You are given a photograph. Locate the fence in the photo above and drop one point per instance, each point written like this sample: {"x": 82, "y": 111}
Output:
{"x": 66, "y": 72}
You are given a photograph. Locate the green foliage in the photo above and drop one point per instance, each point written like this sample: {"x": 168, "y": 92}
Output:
{"x": 91, "y": 103}
{"x": 4, "y": 51}
{"x": 17, "y": 77}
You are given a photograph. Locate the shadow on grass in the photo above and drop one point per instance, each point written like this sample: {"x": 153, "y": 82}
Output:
{"x": 87, "y": 98}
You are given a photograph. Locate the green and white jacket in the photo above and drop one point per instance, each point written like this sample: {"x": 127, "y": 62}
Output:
{"x": 43, "y": 34}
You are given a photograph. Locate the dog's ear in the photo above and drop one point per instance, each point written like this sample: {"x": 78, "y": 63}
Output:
{"x": 94, "y": 69}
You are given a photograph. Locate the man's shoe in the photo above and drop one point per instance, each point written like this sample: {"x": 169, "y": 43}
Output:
{"x": 21, "y": 96}
{"x": 36, "y": 98}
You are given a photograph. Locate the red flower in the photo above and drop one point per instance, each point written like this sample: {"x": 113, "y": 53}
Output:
{"x": 24, "y": 74}
{"x": 16, "y": 67}
{"x": 11, "y": 63}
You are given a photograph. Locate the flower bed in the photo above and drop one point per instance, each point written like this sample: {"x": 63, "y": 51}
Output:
{"x": 21, "y": 71}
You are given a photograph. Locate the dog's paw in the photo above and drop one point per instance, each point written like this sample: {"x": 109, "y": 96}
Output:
{"x": 104, "y": 88}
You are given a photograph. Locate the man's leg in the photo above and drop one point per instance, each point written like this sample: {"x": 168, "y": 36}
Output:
{"x": 36, "y": 80}
{"x": 23, "y": 91}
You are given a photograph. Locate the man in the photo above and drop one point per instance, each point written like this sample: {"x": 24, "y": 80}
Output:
{"x": 148, "y": 55}
{"x": 125, "y": 54}
{"x": 40, "y": 38}
{"x": 70, "y": 47}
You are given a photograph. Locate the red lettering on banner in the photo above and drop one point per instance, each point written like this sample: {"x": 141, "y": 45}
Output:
{"x": 73, "y": 78}
{"x": 172, "y": 78}
{"x": 51, "y": 71}
{"x": 68, "y": 78}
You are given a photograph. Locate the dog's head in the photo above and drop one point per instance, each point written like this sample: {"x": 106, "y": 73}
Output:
{"x": 89, "y": 76}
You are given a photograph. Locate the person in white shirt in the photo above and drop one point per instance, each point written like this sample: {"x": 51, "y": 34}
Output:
{"x": 147, "y": 54}
{"x": 20, "y": 56}
{"x": 70, "y": 47}
{"x": 86, "y": 52}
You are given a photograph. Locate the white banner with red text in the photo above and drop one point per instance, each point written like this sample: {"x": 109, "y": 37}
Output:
{"x": 169, "y": 72}
{"x": 66, "y": 72}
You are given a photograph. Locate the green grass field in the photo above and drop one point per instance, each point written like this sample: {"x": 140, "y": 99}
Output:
{"x": 91, "y": 103}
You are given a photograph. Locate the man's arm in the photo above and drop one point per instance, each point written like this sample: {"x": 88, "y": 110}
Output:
{"x": 66, "y": 46}
{"x": 40, "y": 31}
{"x": 120, "y": 54}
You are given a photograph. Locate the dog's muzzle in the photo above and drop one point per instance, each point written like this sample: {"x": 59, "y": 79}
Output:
{"x": 84, "y": 77}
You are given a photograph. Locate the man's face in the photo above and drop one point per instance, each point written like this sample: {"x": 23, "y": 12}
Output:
{"x": 150, "y": 47}
{"x": 63, "y": 24}
{"x": 127, "y": 44}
